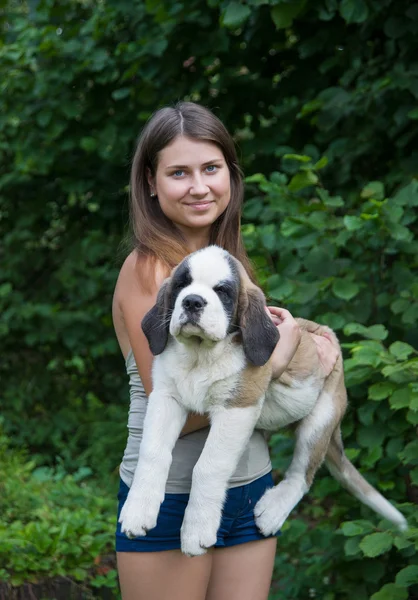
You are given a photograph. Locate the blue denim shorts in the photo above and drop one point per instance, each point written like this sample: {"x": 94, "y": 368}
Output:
{"x": 237, "y": 525}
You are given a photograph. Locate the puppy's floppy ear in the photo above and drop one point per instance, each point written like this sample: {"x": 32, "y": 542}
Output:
{"x": 156, "y": 323}
{"x": 259, "y": 334}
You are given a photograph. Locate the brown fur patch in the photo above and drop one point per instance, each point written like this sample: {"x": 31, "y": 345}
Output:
{"x": 253, "y": 384}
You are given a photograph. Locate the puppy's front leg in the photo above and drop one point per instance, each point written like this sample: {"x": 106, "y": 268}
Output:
{"x": 229, "y": 433}
{"x": 163, "y": 423}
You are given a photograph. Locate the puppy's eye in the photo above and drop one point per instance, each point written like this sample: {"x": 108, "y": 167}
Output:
{"x": 222, "y": 289}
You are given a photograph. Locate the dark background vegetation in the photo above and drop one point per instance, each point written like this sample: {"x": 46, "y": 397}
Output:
{"x": 322, "y": 100}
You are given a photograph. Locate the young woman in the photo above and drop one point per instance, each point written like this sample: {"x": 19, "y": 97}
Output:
{"x": 186, "y": 193}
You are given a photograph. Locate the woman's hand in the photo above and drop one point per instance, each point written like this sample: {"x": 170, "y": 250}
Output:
{"x": 289, "y": 339}
{"x": 327, "y": 352}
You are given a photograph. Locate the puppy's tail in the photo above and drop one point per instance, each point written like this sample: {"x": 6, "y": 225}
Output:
{"x": 348, "y": 476}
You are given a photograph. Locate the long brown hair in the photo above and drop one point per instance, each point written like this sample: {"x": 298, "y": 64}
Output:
{"x": 154, "y": 235}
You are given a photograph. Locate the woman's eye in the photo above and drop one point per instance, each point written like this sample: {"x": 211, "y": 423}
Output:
{"x": 178, "y": 173}
{"x": 211, "y": 168}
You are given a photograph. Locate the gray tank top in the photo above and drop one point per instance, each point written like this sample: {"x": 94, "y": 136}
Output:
{"x": 254, "y": 463}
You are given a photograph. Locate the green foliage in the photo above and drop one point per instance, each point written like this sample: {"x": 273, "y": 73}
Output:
{"x": 321, "y": 98}
{"x": 52, "y": 525}
{"x": 316, "y": 259}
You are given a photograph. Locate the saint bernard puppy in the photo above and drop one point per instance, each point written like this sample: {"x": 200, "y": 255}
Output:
{"x": 213, "y": 339}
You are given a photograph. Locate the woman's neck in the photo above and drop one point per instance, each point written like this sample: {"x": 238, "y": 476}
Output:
{"x": 196, "y": 239}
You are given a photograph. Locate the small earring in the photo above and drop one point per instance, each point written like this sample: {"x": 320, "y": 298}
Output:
{"x": 152, "y": 195}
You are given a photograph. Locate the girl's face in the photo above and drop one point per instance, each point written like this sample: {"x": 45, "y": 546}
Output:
{"x": 192, "y": 184}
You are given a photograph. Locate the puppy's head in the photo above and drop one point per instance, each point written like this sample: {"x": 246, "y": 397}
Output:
{"x": 208, "y": 297}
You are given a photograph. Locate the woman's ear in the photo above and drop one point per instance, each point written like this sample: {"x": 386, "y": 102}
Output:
{"x": 259, "y": 334}
{"x": 156, "y": 323}
{"x": 151, "y": 182}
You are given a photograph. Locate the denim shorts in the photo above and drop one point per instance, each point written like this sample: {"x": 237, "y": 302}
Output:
{"x": 237, "y": 524}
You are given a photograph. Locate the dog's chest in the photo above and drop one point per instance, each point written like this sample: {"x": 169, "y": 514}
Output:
{"x": 201, "y": 384}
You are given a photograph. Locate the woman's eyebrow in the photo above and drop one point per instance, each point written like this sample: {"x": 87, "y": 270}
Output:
{"x": 209, "y": 162}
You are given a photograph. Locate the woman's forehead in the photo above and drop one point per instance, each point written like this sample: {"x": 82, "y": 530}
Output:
{"x": 184, "y": 151}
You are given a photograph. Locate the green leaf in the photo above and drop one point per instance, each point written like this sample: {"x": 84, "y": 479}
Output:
{"x": 89, "y": 144}
{"x": 374, "y": 332}
{"x": 414, "y": 476}
{"x": 400, "y": 398}
{"x": 381, "y": 390}
{"x": 366, "y": 413}
{"x": 279, "y": 287}
{"x": 413, "y": 114}
{"x": 5, "y": 289}
{"x": 353, "y": 528}
{"x": 121, "y": 93}
{"x": 371, "y": 436}
{"x": 374, "y": 189}
{"x": 302, "y": 180}
{"x": 353, "y": 223}
{"x": 345, "y": 289}
{"x": 372, "y": 457}
{"x": 333, "y": 320}
{"x": 328, "y": 200}
{"x": 354, "y": 11}
{"x": 283, "y": 14}
{"x": 235, "y": 15}
{"x": 299, "y": 157}
{"x": 401, "y": 542}
{"x": 256, "y": 178}
{"x": 322, "y": 162}
{"x": 401, "y": 350}
{"x": 390, "y": 591}
{"x": 408, "y": 195}
{"x": 376, "y": 544}
{"x": 410, "y": 453}
{"x": 351, "y": 546}
{"x": 407, "y": 576}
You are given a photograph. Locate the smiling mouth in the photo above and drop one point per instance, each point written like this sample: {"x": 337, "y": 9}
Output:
{"x": 200, "y": 205}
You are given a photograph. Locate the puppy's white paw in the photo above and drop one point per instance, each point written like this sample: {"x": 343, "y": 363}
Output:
{"x": 139, "y": 513}
{"x": 272, "y": 510}
{"x": 199, "y": 531}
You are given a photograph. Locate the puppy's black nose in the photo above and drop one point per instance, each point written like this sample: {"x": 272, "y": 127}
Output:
{"x": 194, "y": 303}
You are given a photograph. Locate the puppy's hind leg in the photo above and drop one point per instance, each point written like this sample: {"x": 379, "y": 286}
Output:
{"x": 348, "y": 476}
{"x": 312, "y": 439}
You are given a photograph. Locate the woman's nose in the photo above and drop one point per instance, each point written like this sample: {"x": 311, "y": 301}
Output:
{"x": 199, "y": 186}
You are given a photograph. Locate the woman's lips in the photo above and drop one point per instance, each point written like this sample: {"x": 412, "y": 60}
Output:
{"x": 200, "y": 205}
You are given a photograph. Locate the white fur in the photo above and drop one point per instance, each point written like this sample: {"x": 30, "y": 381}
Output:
{"x": 229, "y": 433}
{"x": 210, "y": 265}
{"x": 287, "y": 404}
{"x": 208, "y": 268}
{"x": 370, "y": 497}
{"x": 213, "y": 321}
{"x": 163, "y": 423}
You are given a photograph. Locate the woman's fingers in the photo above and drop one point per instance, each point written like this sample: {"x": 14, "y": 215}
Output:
{"x": 278, "y": 315}
{"x": 327, "y": 352}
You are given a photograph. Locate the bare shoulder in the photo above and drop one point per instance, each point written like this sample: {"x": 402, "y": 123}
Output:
{"x": 131, "y": 301}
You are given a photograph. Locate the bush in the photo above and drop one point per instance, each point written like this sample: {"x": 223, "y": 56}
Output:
{"x": 349, "y": 264}
{"x": 334, "y": 81}
{"x": 53, "y": 526}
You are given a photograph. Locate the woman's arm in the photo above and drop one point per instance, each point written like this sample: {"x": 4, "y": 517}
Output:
{"x": 133, "y": 304}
